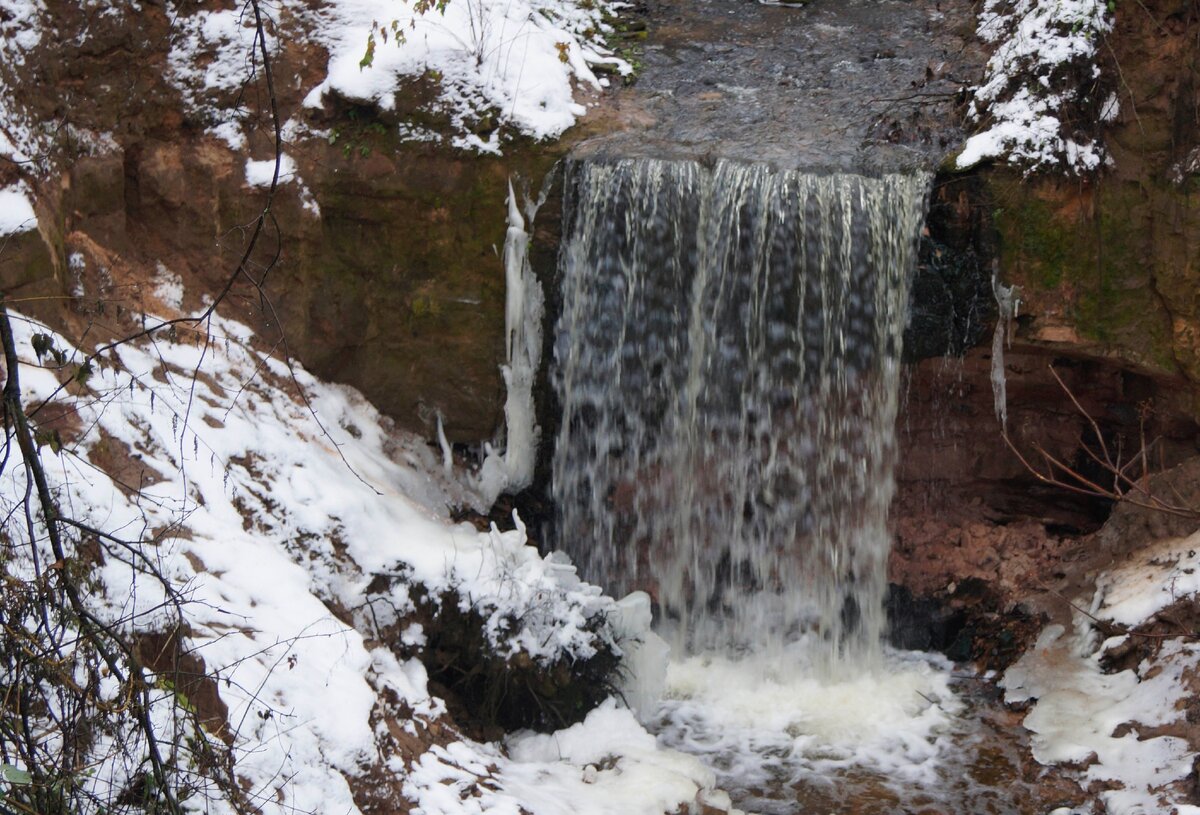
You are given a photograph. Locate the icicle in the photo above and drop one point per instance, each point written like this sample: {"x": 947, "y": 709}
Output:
{"x": 447, "y": 453}
{"x": 1007, "y": 305}
{"x": 645, "y": 655}
{"x": 523, "y": 310}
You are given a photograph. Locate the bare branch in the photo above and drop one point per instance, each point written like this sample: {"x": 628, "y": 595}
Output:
{"x": 1132, "y": 488}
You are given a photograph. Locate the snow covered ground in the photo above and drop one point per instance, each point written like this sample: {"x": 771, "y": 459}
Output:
{"x": 1104, "y": 720}
{"x": 267, "y": 520}
{"x": 513, "y": 62}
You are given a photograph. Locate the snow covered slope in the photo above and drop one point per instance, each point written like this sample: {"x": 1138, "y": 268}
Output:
{"x": 271, "y": 502}
{"x": 1126, "y": 727}
{"x": 515, "y": 62}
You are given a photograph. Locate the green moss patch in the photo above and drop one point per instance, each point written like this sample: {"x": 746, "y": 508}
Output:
{"x": 1090, "y": 251}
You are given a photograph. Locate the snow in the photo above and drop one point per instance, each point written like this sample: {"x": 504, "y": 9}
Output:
{"x": 261, "y": 173}
{"x": 1079, "y": 708}
{"x": 168, "y": 286}
{"x": 267, "y": 519}
{"x": 516, "y": 62}
{"x": 1083, "y": 715}
{"x": 560, "y": 773}
{"x": 1029, "y": 82}
{"x": 16, "y": 210}
{"x": 1155, "y": 578}
{"x": 20, "y": 32}
{"x": 519, "y": 58}
{"x": 643, "y": 777}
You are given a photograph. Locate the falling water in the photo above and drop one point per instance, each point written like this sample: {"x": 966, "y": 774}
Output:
{"x": 727, "y": 362}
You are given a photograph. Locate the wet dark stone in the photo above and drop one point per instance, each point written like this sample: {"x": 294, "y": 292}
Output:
{"x": 950, "y": 302}
{"x": 951, "y": 305}
{"x": 923, "y": 623}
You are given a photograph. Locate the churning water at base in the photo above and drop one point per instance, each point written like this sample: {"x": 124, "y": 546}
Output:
{"x": 776, "y": 735}
{"x": 727, "y": 361}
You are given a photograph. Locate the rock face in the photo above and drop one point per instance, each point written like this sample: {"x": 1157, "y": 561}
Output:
{"x": 393, "y": 281}
{"x": 383, "y": 254}
{"x": 1107, "y": 272}
{"x": 1110, "y": 267}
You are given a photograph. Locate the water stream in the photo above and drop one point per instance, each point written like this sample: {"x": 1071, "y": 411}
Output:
{"x": 727, "y": 361}
{"x": 732, "y": 294}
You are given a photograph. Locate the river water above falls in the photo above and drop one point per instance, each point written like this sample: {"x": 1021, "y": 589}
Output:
{"x": 856, "y": 85}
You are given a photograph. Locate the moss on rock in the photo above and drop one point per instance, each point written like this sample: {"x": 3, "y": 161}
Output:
{"x": 398, "y": 287}
{"x": 1084, "y": 255}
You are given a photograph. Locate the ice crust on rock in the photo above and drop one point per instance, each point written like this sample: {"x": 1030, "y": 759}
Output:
{"x": 1078, "y": 708}
{"x": 511, "y": 469}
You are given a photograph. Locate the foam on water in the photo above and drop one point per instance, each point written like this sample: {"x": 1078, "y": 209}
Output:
{"x": 770, "y": 723}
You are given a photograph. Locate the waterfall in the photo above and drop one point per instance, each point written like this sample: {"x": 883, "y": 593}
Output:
{"x": 727, "y": 362}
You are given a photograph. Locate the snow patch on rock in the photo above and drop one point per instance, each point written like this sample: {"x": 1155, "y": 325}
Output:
{"x": 16, "y": 210}
{"x": 514, "y": 62}
{"x": 518, "y": 58}
{"x": 20, "y": 32}
{"x": 1032, "y": 78}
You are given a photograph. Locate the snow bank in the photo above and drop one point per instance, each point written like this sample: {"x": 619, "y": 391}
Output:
{"x": 16, "y": 210}
{"x": 518, "y": 58}
{"x": 1153, "y": 579}
{"x": 266, "y": 520}
{"x": 1043, "y": 67}
{"x": 228, "y": 34}
{"x": 260, "y": 173}
{"x": 605, "y": 765}
{"x": 1079, "y": 708}
{"x": 623, "y": 769}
